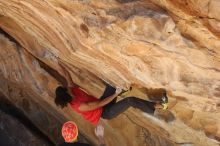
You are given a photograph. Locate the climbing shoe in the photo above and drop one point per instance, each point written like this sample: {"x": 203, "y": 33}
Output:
{"x": 164, "y": 101}
{"x": 124, "y": 91}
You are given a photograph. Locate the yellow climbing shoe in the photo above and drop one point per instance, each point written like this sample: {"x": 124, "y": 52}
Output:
{"x": 165, "y": 106}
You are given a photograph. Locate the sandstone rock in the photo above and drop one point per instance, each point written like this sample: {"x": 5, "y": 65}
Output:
{"x": 148, "y": 44}
{"x": 10, "y": 134}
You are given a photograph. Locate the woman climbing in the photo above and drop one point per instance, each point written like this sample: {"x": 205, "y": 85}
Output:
{"x": 92, "y": 109}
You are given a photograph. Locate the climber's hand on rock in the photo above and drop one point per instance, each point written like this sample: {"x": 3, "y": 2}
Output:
{"x": 118, "y": 90}
{"x": 63, "y": 66}
{"x": 126, "y": 86}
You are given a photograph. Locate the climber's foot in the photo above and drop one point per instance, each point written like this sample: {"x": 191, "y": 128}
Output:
{"x": 164, "y": 101}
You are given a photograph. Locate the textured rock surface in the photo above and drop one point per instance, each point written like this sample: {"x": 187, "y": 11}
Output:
{"x": 14, "y": 133}
{"x": 167, "y": 44}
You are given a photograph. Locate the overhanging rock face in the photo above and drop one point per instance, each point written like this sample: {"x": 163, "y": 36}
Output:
{"x": 147, "y": 44}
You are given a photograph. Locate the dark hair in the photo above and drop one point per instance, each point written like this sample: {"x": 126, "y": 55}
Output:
{"x": 62, "y": 97}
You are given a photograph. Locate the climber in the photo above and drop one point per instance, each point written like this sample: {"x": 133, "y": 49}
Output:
{"x": 70, "y": 134}
{"x": 92, "y": 109}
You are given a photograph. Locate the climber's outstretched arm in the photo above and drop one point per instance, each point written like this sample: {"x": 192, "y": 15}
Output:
{"x": 70, "y": 82}
{"x": 97, "y": 104}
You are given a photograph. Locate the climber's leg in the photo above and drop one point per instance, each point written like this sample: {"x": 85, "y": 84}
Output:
{"x": 109, "y": 90}
{"x": 113, "y": 110}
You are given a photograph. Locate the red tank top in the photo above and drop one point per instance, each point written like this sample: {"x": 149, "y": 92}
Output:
{"x": 92, "y": 116}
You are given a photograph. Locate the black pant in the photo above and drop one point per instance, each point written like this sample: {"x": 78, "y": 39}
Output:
{"x": 113, "y": 109}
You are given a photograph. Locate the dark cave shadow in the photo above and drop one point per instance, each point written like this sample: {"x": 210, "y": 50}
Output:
{"x": 8, "y": 108}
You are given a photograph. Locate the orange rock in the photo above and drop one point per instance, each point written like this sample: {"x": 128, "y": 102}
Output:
{"x": 157, "y": 44}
